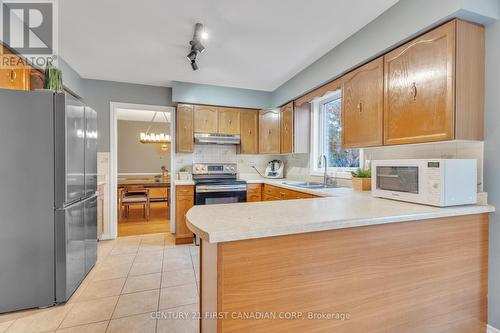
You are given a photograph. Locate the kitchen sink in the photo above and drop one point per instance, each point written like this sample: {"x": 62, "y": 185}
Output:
{"x": 311, "y": 185}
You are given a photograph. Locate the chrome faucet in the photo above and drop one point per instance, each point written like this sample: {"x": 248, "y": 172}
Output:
{"x": 326, "y": 179}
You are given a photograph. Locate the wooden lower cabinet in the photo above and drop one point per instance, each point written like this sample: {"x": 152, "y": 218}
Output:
{"x": 183, "y": 202}
{"x": 254, "y": 192}
{"x": 270, "y": 193}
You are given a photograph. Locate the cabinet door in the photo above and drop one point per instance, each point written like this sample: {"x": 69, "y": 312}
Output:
{"x": 184, "y": 121}
{"x": 205, "y": 119}
{"x": 229, "y": 121}
{"x": 419, "y": 88}
{"x": 249, "y": 132}
{"x": 182, "y": 205}
{"x": 14, "y": 71}
{"x": 286, "y": 128}
{"x": 363, "y": 106}
{"x": 269, "y": 131}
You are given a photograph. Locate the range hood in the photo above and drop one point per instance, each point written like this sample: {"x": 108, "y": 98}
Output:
{"x": 218, "y": 139}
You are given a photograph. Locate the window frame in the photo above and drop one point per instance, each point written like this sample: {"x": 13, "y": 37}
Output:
{"x": 317, "y": 144}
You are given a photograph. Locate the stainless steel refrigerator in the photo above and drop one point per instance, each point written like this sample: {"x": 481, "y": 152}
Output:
{"x": 48, "y": 203}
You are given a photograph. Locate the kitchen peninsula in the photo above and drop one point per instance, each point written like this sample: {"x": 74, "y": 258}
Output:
{"x": 367, "y": 264}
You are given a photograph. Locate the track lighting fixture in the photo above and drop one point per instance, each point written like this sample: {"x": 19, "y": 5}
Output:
{"x": 192, "y": 55}
{"x": 194, "y": 66}
{"x": 196, "y": 46}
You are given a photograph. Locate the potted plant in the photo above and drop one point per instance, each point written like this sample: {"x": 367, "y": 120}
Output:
{"x": 183, "y": 174}
{"x": 362, "y": 180}
{"x": 53, "y": 78}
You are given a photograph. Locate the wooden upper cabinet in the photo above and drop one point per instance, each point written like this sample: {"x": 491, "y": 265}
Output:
{"x": 434, "y": 86}
{"x": 286, "y": 128}
{"x": 269, "y": 131}
{"x": 229, "y": 121}
{"x": 14, "y": 71}
{"x": 249, "y": 132}
{"x": 184, "y": 126}
{"x": 205, "y": 119}
{"x": 419, "y": 89}
{"x": 363, "y": 106}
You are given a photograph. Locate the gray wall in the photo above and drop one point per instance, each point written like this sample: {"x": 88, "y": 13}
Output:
{"x": 185, "y": 92}
{"x": 137, "y": 157}
{"x": 401, "y": 22}
{"x": 98, "y": 94}
{"x": 492, "y": 163}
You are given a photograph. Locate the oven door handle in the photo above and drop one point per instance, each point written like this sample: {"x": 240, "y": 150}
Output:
{"x": 220, "y": 188}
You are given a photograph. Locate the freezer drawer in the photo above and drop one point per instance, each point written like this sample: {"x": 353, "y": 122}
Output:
{"x": 90, "y": 219}
{"x": 69, "y": 149}
{"x": 90, "y": 151}
{"x": 69, "y": 250}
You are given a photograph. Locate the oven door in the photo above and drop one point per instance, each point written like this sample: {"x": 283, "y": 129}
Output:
{"x": 220, "y": 194}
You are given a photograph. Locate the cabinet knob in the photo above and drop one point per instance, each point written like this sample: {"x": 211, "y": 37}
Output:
{"x": 414, "y": 91}
{"x": 250, "y": 132}
{"x": 230, "y": 121}
{"x": 269, "y": 132}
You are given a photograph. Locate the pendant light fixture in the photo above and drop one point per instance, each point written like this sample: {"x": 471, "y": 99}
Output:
{"x": 150, "y": 137}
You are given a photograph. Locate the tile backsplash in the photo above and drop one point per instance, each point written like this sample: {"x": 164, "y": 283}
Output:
{"x": 297, "y": 165}
{"x": 448, "y": 149}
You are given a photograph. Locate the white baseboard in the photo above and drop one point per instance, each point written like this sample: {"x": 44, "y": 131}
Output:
{"x": 106, "y": 237}
{"x": 491, "y": 329}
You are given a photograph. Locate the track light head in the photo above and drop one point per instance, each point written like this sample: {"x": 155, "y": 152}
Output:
{"x": 194, "y": 66}
{"x": 197, "y": 46}
{"x": 192, "y": 55}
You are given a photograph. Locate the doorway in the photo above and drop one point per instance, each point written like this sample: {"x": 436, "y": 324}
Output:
{"x": 141, "y": 160}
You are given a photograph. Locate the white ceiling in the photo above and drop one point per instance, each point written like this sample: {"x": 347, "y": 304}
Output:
{"x": 252, "y": 44}
{"x": 142, "y": 115}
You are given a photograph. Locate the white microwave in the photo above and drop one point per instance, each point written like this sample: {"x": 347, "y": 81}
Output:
{"x": 439, "y": 182}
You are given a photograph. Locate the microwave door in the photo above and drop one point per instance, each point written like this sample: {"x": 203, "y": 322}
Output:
{"x": 398, "y": 178}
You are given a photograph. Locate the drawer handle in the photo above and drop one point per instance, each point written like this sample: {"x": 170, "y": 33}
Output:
{"x": 360, "y": 107}
{"x": 414, "y": 91}
{"x": 183, "y": 190}
{"x": 13, "y": 75}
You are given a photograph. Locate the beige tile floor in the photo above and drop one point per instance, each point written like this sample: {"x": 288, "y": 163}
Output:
{"x": 134, "y": 277}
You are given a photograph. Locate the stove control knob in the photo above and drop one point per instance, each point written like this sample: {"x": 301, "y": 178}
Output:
{"x": 231, "y": 168}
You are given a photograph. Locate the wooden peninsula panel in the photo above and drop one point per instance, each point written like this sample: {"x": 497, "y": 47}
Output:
{"x": 420, "y": 276}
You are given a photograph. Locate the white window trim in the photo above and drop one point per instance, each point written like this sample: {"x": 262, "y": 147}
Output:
{"x": 336, "y": 172}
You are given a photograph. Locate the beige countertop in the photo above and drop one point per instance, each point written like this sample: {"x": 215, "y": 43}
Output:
{"x": 339, "y": 208}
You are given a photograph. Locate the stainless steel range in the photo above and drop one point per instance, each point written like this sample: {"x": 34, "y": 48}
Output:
{"x": 216, "y": 183}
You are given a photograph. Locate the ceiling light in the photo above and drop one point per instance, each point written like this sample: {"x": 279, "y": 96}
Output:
{"x": 196, "y": 46}
{"x": 194, "y": 66}
{"x": 192, "y": 55}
